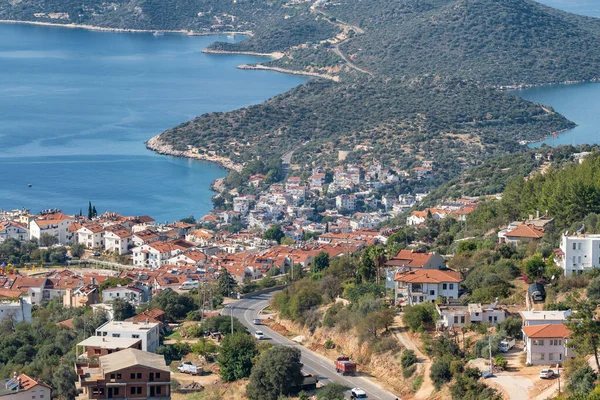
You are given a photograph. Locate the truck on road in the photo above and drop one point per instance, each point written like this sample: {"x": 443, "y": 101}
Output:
{"x": 345, "y": 366}
{"x": 309, "y": 382}
{"x": 507, "y": 344}
{"x": 189, "y": 368}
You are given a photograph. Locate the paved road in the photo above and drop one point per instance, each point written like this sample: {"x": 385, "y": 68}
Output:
{"x": 247, "y": 309}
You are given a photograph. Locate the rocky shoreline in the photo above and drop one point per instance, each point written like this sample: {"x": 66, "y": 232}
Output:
{"x": 276, "y": 55}
{"x": 157, "y": 145}
{"x": 289, "y": 71}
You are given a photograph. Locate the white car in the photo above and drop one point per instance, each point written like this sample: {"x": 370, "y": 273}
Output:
{"x": 258, "y": 335}
{"x": 358, "y": 393}
{"x": 546, "y": 374}
{"x": 256, "y": 321}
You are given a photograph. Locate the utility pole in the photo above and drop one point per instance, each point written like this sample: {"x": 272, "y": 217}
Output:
{"x": 491, "y": 361}
{"x": 558, "y": 373}
{"x": 231, "y": 318}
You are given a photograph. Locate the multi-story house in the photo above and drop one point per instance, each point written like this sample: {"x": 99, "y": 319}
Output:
{"x": 454, "y": 316}
{"x": 346, "y": 202}
{"x": 13, "y": 230}
{"x": 148, "y": 332}
{"x": 241, "y": 204}
{"x": 146, "y": 236}
{"x": 547, "y": 344}
{"x": 578, "y": 253}
{"x": 531, "y": 318}
{"x": 54, "y": 224}
{"x": 91, "y": 236}
{"x": 117, "y": 239}
{"x": 98, "y": 346}
{"x": 126, "y": 374}
{"x": 81, "y": 297}
{"x": 419, "y": 286}
{"x": 130, "y": 294}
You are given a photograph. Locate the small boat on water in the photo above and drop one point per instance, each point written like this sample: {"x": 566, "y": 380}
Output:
{"x": 29, "y": 185}
{"x": 158, "y": 33}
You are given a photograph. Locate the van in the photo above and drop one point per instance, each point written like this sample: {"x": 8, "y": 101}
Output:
{"x": 188, "y": 285}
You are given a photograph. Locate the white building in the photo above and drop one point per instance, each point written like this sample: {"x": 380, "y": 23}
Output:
{"x": 578, "y": 253}
{"x": 132, "y": 295}
{"x": 419, "y": 286}
{"x": 454, "y": 316}
{"x": 55, "y": 224}
{"x": 241, "y": 204}
{"x": 19, "y": 310}
{"x": 547, "y": 344}
{"x": 531, "y": 318}
{"x": 154, "y": 254}
{"x": 345, "y": 202}
{"x": 22, "y": 387}
{"x": 118, "y": 240}
{"x": 149, "y": 332}
{"x": 91, "y": 236}
{"x": 13, "y": 230}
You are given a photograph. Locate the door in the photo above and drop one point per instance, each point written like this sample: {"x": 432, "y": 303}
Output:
{"x": 152, "y": 391}
{"x": 151, "y": 377}
{"x": 110, "y": 393}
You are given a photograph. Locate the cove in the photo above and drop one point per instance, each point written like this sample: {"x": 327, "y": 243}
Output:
{"x": 76, "y": 107}
{"x": 578, "y": 102}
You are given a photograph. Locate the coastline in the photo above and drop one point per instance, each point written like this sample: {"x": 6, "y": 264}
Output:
{"x": 276, "y": 54}
{"x": 128, "y": 30}
{"x": 158, "y": 146}
{"x": 289, "y": 71}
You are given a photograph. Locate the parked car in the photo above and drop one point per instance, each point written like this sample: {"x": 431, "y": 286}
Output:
{"x": 487, "y": 374}
{"x": 96, "y": 254}
{"x": 546, "y": 374}
{"x": 536, "y": 292}
{"x": 258, "y": 335}
{"x": 257, "y": 321}
{"x": 188, "y": 285}
{"x": 358, "y": 393}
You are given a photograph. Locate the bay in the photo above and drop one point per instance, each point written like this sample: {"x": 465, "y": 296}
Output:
{"x": 76, "y": 107}
{"x": 578, "y": 102}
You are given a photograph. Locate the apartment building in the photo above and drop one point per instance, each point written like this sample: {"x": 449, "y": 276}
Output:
{"x": 148, "y": 332}
{"x": 578, "y": 253}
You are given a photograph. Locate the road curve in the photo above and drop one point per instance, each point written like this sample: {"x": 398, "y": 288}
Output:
{"x": 247, "y": 309}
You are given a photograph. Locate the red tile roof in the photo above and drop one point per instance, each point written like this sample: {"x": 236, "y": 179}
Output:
{"x": 428, "y": 276}
{"x": 547, "y": 331}
{"x": 526, "y": 231}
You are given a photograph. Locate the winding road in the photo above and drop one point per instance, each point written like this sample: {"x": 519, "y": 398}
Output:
{"x": 247, "y": 309}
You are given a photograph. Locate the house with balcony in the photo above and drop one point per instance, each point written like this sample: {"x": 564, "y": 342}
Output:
{"x": 457, "y": 316}
{"x": 117, "y": 239}
{"x": 546, "y": 344}
{"x": 98, "y": 346}
{"x": 55, "y": 224}
{"x": 522, "y": 233}
{"x": 127, "y": 374}
{"x": 13, "y": 230}
{"x": 130, "y": 294}
{"x": 91, "y": 236}
{"x": 578, "y": 253}
{"x": 419, "y": 286}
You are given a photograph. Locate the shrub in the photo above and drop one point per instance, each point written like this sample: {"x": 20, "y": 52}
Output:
{"x": 408, "y": 372}
{"x": 500, "y": 362}
{"x": 384, "y": 344}
{"x": 440, "y": 373}
{"x": 329, "y": 344}
{"x": 408, "y": 358}
{"x": 419, "y": 316}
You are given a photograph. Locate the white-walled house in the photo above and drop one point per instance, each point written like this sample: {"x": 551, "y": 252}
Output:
{"x": 118, "y": 240}
{"x": 411, "y": 259}
{"x": 547, "y": 344}
{"x": 19, "y": 310}
{"x": 55, "y": 224}
{"x": 453, "y": 316}
{"x": 91, "y": 236}
{"x": 578, "y": 253}
{"x": 22, "y": 387}
{"x": 419, "y": 286}
{"x": 149, "y": 332}
{"x": 132, "y": 295}
{"x": 144, "y": 237}
{"x": 531, "y": 318}
{"x": 13, "y": 230}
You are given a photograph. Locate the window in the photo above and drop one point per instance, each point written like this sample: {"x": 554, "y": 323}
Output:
{"x": 132, "y": 390}
{"x": 139, "y": 375}
{"x": 456, "y": 320}
{"x": 158, "y": 375}
{"x": 116, "y": 335}
{"x": 118, "y": 376}
{"x": 550, "y": 356}
{"x": 97, "y": 351}
{"x": 578, "y": 246}
{"x": 444, "y": 286}
{"x": 574, "y": 260}
{"x": 477, "y": 314}
{"x": 462, "y": 319}
{"x": 139, "y": 390}
{"x": 432, "y": 292}
{"x": 158, "y": 389}
{"x": 132, "y": 376}
{"x": 579, "y": 260}
{"x": 538, "y": 342}
{"x": 116, "y": 391}
{"x": 135, "y": 336}
{"x": 574, "y": 246}
{"x": 112, "y": 376}
{"x": 452, "y": 286}
{"x": 495, "y": 319}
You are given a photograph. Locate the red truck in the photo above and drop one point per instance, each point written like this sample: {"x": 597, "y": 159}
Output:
{"x": 345, "y": 366}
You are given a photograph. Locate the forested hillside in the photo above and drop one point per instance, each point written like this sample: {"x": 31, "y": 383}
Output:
{"x": 449, "y": 120}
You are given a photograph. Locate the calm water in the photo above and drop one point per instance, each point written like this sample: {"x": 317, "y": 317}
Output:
{"x": 581, "y": 102}
{"x": 76, "y": 107}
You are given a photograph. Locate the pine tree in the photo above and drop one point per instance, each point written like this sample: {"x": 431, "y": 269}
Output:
{"x": 90, "y": 214}
{"x": 94, "y": 213}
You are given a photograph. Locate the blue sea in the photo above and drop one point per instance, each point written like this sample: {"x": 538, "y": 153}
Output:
{"x": 579, "y": 102}
{"x": 76, "y": 107}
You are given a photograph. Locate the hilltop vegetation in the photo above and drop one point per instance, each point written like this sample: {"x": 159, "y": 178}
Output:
{"x": 450, "y": 120}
